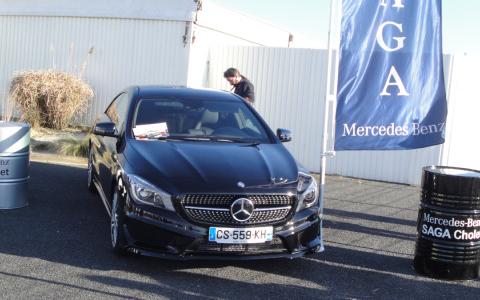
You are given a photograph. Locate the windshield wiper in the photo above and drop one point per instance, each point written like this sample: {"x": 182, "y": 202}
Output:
{"x": 183, "y": 138}
{"x": 252, "y": 144}
{"x": 235, "y": 140}
{"x": 200, "y": 138}
{"x": 207, "y": 138}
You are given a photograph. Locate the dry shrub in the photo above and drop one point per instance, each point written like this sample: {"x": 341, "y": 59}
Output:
{"x": 75, "y": 147}
{"x": 50, "y": 98}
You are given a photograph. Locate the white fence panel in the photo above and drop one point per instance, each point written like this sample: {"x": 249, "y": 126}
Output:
{"x": 126, "y": 52}
{"x": 462, "y": 148}
{"x": 290, "y": 89}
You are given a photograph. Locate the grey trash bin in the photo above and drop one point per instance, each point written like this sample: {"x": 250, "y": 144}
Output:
{"x": 14, "y": 164}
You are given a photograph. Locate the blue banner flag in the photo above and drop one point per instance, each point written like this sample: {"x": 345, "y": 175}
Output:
{"x": 391, "y": 89}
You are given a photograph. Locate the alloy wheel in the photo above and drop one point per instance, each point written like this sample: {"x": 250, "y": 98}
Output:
{"x": 114, "y": 221}
{"x": 90, "y": 169}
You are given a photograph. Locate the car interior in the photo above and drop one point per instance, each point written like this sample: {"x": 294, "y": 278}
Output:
{"x": 216, "y": 120}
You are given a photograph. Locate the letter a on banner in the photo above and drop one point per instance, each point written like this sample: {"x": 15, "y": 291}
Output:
{"x": 391, "y": 89}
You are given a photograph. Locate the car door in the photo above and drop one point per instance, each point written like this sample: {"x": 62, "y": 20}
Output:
{"x": 108, "y": 146}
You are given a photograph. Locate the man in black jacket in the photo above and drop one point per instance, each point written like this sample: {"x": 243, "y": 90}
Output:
{"x": 241, "y": 85}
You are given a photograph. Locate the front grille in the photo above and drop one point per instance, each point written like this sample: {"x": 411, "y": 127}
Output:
{"x": 224, "y": 200}
{"x": 215, "y": 208}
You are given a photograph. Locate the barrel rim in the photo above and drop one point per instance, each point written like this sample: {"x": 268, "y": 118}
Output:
{"x": 445, "y": 197}
{"x": 432, "y": 169}
{"x": 9, "y": 124}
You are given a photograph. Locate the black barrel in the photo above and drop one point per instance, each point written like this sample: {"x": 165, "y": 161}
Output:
{"x": 448, "y": 226}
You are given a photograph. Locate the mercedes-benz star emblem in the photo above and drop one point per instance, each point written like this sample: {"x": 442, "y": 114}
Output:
{"x": 242, "y": 209}
{"x": 240, "y": 184}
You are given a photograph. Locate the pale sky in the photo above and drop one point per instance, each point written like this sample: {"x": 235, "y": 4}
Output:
{"x": 309, "y": 20}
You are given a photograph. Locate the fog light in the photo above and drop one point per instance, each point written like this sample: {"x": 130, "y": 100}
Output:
{"x": 309, "y": 197}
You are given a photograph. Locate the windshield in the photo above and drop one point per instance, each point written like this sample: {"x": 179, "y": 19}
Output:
{"x": 201, "y": 119}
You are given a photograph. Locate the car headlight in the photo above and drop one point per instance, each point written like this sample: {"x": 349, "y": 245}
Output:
{"x": 307, "y": 190}
{"x": 144, "y": 192}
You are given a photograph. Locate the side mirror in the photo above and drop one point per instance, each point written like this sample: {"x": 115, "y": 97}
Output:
{"x": 105, "y": 129}
{"x": 284, "y": 135}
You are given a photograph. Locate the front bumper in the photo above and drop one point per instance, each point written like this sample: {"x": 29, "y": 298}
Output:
{"x": 165, "y": 234}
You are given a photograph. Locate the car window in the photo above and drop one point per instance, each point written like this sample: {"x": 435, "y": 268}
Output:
{"x": 207, "y": 118}
{"x": 117, "y": 111}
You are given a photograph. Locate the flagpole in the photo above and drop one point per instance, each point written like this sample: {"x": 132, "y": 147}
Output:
{"x": 330, "y": 98}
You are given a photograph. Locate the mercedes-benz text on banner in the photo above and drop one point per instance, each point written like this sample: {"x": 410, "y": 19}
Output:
{"x": 391, "y": 89}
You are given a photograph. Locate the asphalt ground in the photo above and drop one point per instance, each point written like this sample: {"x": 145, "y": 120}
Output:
{"x": 58, "y": 247}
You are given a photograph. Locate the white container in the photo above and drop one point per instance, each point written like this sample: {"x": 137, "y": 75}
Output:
{"x": 14, "y": 164}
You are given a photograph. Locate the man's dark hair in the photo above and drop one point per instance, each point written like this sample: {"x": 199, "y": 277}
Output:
{"x": 232, "y": 72}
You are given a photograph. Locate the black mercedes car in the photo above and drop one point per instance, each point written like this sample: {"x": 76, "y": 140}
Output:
{"x": 194, "y": 173}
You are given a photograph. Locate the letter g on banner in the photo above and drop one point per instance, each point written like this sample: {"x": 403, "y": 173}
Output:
{"x": 381, "y": 40}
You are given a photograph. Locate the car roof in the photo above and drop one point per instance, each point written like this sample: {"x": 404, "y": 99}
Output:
{"x": 156, "y": 91}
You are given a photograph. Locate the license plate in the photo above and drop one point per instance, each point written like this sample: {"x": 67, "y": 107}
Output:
{"x": 254, "y": 235}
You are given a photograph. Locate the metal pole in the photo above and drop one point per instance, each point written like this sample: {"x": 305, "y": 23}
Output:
{"x": 330, "y": 97}
{"x": 445, "y": 147}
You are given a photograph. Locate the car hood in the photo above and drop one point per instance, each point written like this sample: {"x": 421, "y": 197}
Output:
{"x": 182, "y": 167}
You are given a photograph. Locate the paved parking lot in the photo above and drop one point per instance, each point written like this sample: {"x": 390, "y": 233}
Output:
{"x": 59, "y": 247}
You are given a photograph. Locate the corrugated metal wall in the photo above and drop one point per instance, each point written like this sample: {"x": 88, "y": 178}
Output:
{"x": 290, "y": 89}
{"x": 462, "y": 147}
{"x": 204, "y": 38}
{"x": 126, "y": 52}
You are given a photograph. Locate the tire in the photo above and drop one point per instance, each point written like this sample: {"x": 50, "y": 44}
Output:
{"x": 117, "y": 220}
{"x": 90, "y": 174}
